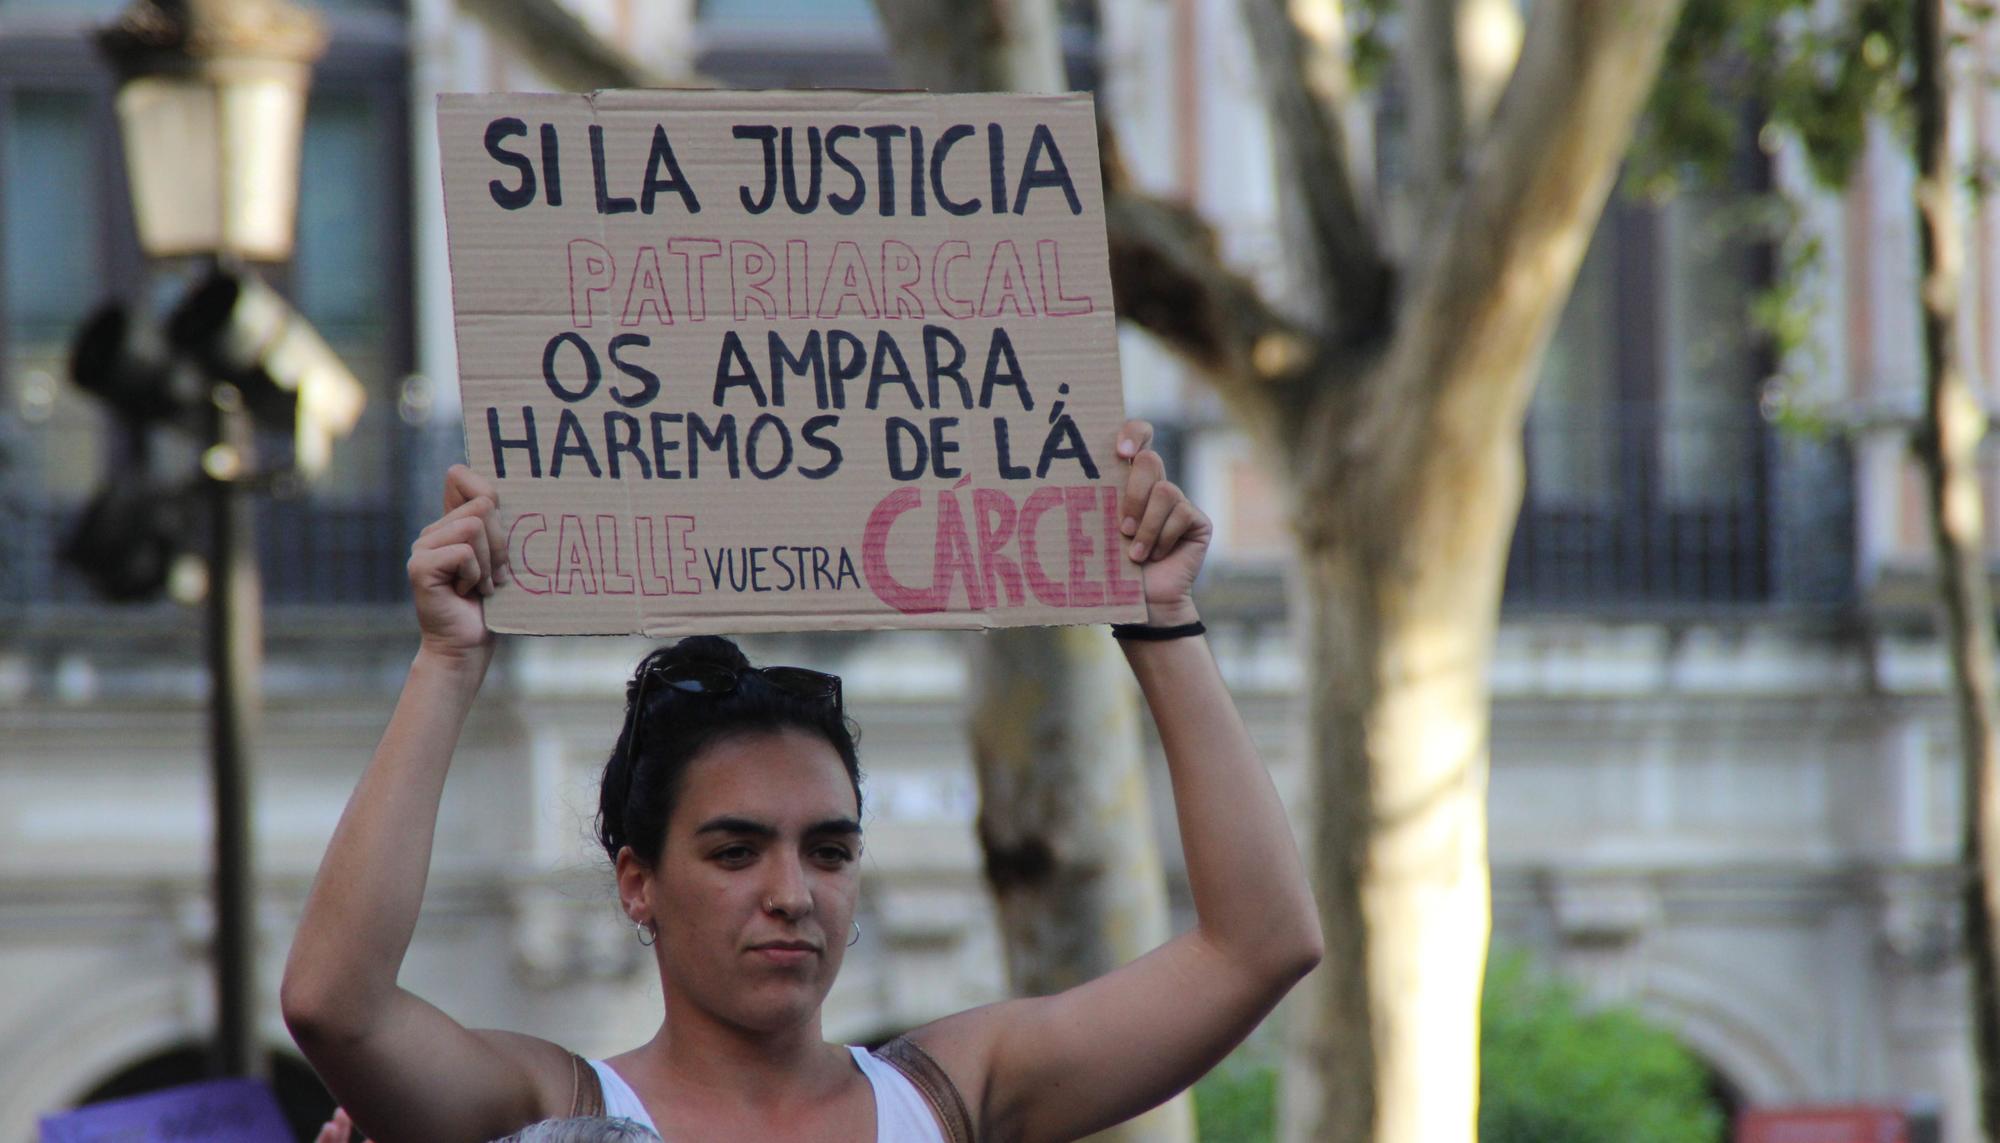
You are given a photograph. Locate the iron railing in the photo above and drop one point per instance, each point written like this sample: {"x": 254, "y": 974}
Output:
{"x": 1645, "y": 507}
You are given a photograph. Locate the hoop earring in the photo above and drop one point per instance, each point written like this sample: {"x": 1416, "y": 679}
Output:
{"x": 856, "y": 936}
{"x": 648, "y": 935}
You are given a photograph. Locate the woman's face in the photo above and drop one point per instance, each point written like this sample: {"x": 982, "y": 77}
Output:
{"x": 755, "y": 888}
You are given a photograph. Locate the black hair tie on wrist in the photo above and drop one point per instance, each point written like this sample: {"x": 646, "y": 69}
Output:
{"x": 1147, "y": 633}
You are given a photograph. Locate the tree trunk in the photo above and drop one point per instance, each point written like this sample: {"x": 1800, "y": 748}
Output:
{"x": 1948, "y": 443}
{"x": 1063, "y": 815}
{"x": 1065, "y": 821}
{"x": 1404, "y": 501}
{"x": 1402, "y": 617}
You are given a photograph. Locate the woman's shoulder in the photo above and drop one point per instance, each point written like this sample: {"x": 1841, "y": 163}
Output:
{"x": 931, "y": 1097}
{"x": 601, "y": 1090}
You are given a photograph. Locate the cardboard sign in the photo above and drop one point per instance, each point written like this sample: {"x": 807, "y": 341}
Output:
{"x": 750, "y": 361}
{"x": 218, "y": 1111}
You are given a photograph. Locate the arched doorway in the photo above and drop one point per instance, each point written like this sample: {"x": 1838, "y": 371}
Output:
{"x": 1727, "y": 1097}
{"x": 306, "y": 1104}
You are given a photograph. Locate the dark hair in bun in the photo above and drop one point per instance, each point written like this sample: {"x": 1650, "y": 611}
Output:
{"x": 635, "y": 800}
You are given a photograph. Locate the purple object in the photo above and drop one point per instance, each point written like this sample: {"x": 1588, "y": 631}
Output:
{"x": 216, "y": 1111}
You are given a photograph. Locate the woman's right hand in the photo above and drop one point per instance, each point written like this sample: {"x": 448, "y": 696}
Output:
{"x": 455, "y": 563}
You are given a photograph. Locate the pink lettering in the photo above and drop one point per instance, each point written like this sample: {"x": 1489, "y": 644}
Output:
{"x": 1046, "y": 590}
{"x": 750, "y": 268}
{"x": 695, "y": 254}
{"x": 993, "y": 516}
{"x": 590, "y": 272}
{"x": 573, "y": 558}
{"x": 611, "y": 557}
{"x": 648, "y": 291}
{"x": 1083, "y": 592}
{"x": 1055, "y": 303}
{"x": 947, "y": 253}
{"x": 1117, "y": 589}
{"x": 875, "y": 556}
{"x": 1013, "y": 290}
{"x": 531, "y": 580}
{"x": 901, "y": 270}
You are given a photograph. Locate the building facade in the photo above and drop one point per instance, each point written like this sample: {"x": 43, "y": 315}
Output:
{"x": 1724, "y": 783}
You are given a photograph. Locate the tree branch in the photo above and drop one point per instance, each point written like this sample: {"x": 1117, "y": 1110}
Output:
{"x": 1305, "y": 86}
{"x": 1493, "y": 280}
{"x": 1457, "y": 56}
{"x": 559, "y": 45}
{"x": 976, "y": 45}
{"x": 1437, "y": 102}
{"x": 1168, "y": 278}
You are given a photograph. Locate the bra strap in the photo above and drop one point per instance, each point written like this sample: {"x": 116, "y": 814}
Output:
{"x": 587, "y": 1098}
{"x": 930, "y": 1080}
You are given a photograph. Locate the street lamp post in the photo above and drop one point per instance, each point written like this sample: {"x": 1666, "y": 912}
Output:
{"x": 211, "y": 105}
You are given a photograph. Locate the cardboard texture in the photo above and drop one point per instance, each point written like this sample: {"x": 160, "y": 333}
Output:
{"x": 752, "y": 361}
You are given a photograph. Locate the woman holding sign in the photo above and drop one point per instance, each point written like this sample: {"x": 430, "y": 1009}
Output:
{"x": 731, "y": 810}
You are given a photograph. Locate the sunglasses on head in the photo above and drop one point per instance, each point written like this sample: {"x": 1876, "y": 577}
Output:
{"x": 718, "y": 679}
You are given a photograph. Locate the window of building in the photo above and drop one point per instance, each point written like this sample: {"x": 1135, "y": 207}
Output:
{"x": 1649, "y": 465}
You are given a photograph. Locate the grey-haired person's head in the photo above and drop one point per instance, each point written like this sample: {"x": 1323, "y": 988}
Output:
{"x": 584, "y": 1129}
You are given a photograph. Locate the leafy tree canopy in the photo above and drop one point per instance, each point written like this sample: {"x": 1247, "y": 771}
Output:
{"x": 1552, "y": 1072}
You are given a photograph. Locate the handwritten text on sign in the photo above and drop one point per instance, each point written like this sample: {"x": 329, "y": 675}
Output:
{"x": 746, "y": 361}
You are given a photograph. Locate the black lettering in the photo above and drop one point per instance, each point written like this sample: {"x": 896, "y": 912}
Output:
{"x": 886, "y": 353}
{"x": 996, "y": 158}
{"x": 767, "y": 135}
{"x": 810, "y": 202}
{"x": 1003, "y": 450}
{"x": 916, "y": 171}
{"x": 783, "y": 362}
{"x": 664, "y": 444}
{"x": 951, "y": 136}
{"x": 529, "y": 442}
{"x": 648, "y": 380}
{"x": 756, "y": 561}
{"x": 662, "y": 157}
{"x": 851, "y": 202}
{"x": 766, "y": 421}
{"x": 625, "y": 441}
{"x": 999, "y": 352}
{"x": 1032, "y": 176}
{"x": 722, "y": 438}
{"x": 733, "y": 566}
{"x": 839, "y": 372}
{"x": 732, "y": 367}
{"x": 942, "y": 446}
{"x": 1064, "y": 442}
{"x": 551, "y": 164}
{"x": 954, "y": 369}
{"x": 810, "y": 433}
{"x": 572, "y": 441}
{"x": 791, "y": 576}
{"x": 606, "y": 202}
{"x": 885, "y": 167}
{"x": 847, "y": 572}
{"x": 510, "y": 198}
{"x": 592, "y": 371}
{"x": 895, "y": 431}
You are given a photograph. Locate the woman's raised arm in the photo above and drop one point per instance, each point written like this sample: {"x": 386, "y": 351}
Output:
{"x": 1064, "y": 1066}
{"x": 402, "y": 1068}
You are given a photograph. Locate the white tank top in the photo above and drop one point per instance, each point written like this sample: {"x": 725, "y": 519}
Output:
{"x": 901, "y": 1113}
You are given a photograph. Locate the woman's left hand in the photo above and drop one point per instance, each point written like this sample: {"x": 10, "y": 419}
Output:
{"x": 1164, "y": 532}
{"x": 339, "y": 1129}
